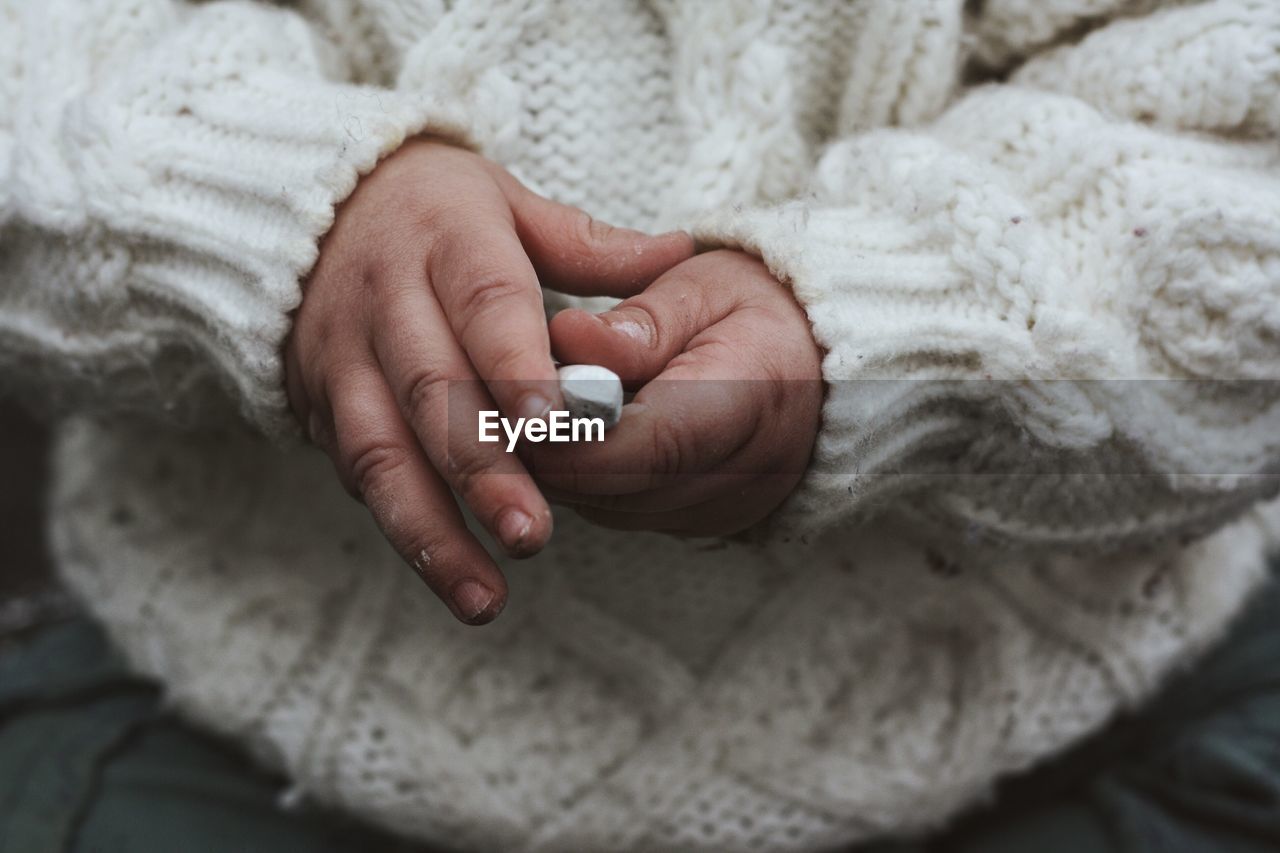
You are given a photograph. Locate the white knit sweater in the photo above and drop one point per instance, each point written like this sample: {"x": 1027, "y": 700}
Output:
{"x": 985, "y": 213}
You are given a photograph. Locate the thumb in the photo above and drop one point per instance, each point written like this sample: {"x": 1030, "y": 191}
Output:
{"x": 639, "y": 337}
{"x": 576, "y": 254}
{"x": 580, "y": 337}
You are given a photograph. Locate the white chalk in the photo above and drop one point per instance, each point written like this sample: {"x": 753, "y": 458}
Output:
{"x": 591, "y": 391}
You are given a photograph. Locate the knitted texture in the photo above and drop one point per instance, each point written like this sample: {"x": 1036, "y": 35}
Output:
{"x": 1034, "y": 493}
{"x": 169, "y": 173}
{"x": 639, "y": 693}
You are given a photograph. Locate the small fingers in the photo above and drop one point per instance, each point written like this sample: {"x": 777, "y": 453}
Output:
{"x": 440, "y": 397}
{"x": 379, "y": 460}
{"x": 491, "y": 297}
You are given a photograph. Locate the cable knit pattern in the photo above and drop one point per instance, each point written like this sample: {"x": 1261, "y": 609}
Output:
{"x": 1051, "y": 312}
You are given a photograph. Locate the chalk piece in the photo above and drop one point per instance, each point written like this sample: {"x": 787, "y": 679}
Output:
{"x": 591, "y": 391}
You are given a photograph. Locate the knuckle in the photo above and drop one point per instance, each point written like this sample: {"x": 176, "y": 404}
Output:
{"x": 439, "y": 216}
{"x": 370, "y": 467}
{"x": 465, "y": 474}
{"x": 586, "y": 235}
{"x": 376, "y": 269}
{"x": 422, "y": 390}
{"x": 589, "y": 230}
{"x": 510, "y": 363}
{"x": 582, "y": 230}
{"x": 486, "y": 291}
{"x": 668, "y": 453}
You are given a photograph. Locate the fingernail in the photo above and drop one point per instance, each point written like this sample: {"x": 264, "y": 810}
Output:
{"x": 470, "y": 599}
{"x": 513, "y": 528}
{"x": 533, "y": 406}
{"x": 639, "y": 332}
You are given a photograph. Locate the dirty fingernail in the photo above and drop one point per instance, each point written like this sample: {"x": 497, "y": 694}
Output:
{"x": 629, "y": 326}
{"x": 470, "y": 599}
{"x": 513, "y": 528}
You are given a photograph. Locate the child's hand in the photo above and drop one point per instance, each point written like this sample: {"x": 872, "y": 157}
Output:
{"x": 723, "y": 428}
{"x": 430, "y": 277}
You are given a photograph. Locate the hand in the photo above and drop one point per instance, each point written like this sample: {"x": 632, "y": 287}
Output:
{"x": 430, "y": 278}
{"x": 705, "y": 457}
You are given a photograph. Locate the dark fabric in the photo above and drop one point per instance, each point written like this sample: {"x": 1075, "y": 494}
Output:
{"x": 88, "y": 762}
{"x": 1197, "y": 771}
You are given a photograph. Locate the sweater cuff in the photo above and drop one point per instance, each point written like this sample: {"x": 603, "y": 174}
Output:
{"x": 922, "y": 357}
{"x": 961, "y": 374}
{"x": 895, "y": 322}
{"x": 232, "y": 187}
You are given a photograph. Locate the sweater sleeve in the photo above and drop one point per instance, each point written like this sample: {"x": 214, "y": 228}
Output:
{"x": 1051, "y": 315}
{"x": 166, "y": 171}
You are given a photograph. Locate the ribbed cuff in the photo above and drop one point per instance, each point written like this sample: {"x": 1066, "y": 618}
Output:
{"x": 1014, "y": 421}
{"x": 918, "y": 355}
{"x": 890, "y": 313}
{"x": 234, "y": 184}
